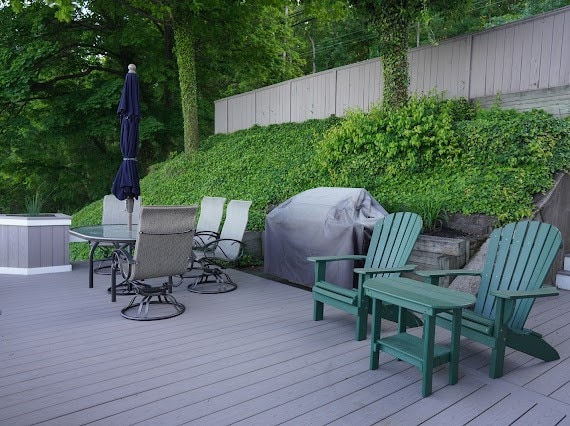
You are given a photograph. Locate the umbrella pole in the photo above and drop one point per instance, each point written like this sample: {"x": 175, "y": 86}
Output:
{"x": 130, "y": 205}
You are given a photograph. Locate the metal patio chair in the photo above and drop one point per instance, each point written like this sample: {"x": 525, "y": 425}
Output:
{"x": 114, "y": 213}
{"x": 162, "y": 249}
{"x": 210, "y": 260}
{"x": 209, "y": 220}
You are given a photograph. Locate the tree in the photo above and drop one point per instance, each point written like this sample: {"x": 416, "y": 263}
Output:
{"x": 59, "y": 88}
{"x": 393, "y": 20}
{"x": 188, "y": 21}
{"x": 332, "y": 41}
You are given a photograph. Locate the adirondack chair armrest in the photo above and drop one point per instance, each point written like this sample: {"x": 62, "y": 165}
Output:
{"x": 370, "y": 272}
{"x": 506, "y": 301}
{"x": 321, "y": 263}
{"x": 432, "y": 277}
{"x": 513, "y": 294}
{"x": 321, "y": 259}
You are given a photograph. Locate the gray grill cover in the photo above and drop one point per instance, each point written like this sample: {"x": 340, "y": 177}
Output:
{"x": 319, "y": 222}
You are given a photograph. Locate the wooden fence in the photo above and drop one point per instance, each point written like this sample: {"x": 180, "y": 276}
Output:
{"x": 526, "y": 62}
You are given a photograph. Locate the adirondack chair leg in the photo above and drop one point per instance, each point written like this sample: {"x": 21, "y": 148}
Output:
{"x": 362, "y": 314}
{"x": 497, "y": 361}
{"x": 503, "y": 311}
{"x": 318, "y": 308}
{"x": 361, "y": 324}
{"x": 532, "y": 344}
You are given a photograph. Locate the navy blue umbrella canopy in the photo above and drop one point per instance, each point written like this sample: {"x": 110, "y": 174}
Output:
{"x": 126, "y": 184}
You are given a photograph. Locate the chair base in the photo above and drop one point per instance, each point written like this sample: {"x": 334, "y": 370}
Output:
{"x": 103, "y": 269}
{"x": 166, "y": 306}
{"x": 212, "y": 280}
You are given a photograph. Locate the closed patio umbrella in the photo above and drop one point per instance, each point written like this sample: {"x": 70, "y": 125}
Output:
{"x": 126, "y": 184}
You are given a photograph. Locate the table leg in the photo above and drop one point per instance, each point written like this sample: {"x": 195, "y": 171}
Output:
{"x": 375, "y": 333}
{"x": 429, "y": 341}
{"x": 402, "y": 315}
{"x": 113, "y": 282}
{"x": 91, "y": 254}
{"x": 454, "y": 355}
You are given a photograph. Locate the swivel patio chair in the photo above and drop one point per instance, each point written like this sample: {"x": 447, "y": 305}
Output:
{"x": 114, "y": 213}
{"x": 390, "y": 247}
{"x": 211, "y": 259}
{"x": 162, "y": 249}
{"x": 208, "y": 226}
{"x": 518, "y": 259}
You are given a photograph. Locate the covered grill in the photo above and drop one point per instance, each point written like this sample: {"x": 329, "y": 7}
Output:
{"x": 319, "y": 222}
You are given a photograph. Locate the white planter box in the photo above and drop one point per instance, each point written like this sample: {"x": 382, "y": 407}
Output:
{"x": 34, "y": 244}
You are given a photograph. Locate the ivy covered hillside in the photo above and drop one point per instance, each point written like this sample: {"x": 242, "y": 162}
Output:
{"x": 432, "y": 156}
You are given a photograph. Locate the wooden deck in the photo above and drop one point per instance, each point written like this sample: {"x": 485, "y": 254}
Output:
{"x": 253, "y": 357}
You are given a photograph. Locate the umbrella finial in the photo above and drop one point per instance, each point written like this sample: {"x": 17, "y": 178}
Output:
{"x": 132, "y": 68}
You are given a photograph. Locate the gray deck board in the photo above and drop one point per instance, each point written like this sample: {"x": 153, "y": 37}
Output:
{"x": 252, "y": 356}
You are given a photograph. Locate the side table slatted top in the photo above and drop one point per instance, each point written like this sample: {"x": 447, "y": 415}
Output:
{"x": 423, "y": 297}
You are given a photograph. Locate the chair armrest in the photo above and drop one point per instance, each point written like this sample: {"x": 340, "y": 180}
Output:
{"x": 432, "y": 277}
{"x": 211, "y": 247}
{"x": 122, "y": 261}
{"x": 506, "y": 302}
{"x": 321, "y": 263}
{"x": 208, "y": 233}
{"x": 513, "y": 294}
{"x": 369, "y": 272}
{"x": 212, "y": 244}
{"x": 125, "y": 254}
{"x": 318, "y": 259}
{"x": 204, "y": 237}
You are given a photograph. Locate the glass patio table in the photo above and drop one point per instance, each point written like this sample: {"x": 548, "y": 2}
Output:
{"x": 118, "y": 235}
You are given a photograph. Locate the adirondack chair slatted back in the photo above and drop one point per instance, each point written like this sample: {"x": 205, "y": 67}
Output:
{"x": 392, "y": 241}
{"x": 519, "y": 257}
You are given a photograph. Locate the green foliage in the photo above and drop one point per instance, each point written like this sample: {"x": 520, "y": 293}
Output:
{"x": 264, "y": 164}
{"x": 387, "y": 141}
{"x": 447, "y": 153}
{"x": 434, "y": 157}
{"x": 430, "y": 208}
{"x": 34, "y": 204}
{"x": 59, "y": 91}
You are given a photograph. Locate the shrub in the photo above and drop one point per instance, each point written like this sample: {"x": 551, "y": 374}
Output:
{"x": 390, "y": 142}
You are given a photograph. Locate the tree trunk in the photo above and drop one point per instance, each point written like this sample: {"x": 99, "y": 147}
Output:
{"x": 393, "y": 28}
{"x": 186, "y": 58}
{"x": 395, "y": 71}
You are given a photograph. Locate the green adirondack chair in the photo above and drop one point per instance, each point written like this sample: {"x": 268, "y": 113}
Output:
{"x": 391, "y": 243}
{"x": 518, "y": 259}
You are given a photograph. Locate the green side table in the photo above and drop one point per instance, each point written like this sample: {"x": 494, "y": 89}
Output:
{"x": 427, "y": 300}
